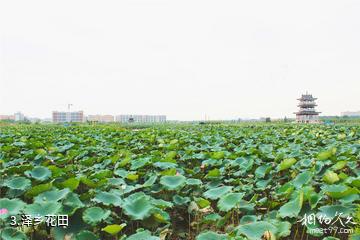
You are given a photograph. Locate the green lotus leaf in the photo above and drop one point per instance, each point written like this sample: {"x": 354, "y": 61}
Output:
{"x": 245, "y": 164}
{"x": 114, "y": 228}
{"x": 160, "y": 215}
{"x": 173, "y": 182}
{"x": 12, "y": 234}
{"x": 293, "y": 207}
{"x": 13, "y": 207}
{"x": 339, "y": 191}
{"x": 17, "y": 183}
{"x": 121, "y": 172}
{"x": 137, "y": 206}
{"x": 70, "y": 204}
{"x": 139, "y": 163}
{"x": 174, "y": 141}
{"x": 216, "y": 193}
{"x": 302, "y": 179}
{"x": 202, "y": 203}
{"x": 355, "y": 236}
{"x": 339, "y": 165}
{"x": 350, "y": 198}
{"x": 256, "y": 230}
{"x": 150, "y": 181}
{"x": 326, "y": 154}
{"x": 108, "y": 199}
{"x": 283, "y": 228}
{"x": 168, "y": 172}
{"x": 330, "y": 177}
{"x": 214, "y": 173}
{"x": 286, "y": 163}
{"x": 355, "y": 182}
{"x": 73, "y": 200}
{"x": 86, "y": 235}
{"x": 218, "y": 155}
{"x": 56, "y": 171}
{"x": 88, "y": 182}
{"x": 170, "y": 157}
{"x": 162, "y": 203}
{"x": 116, "y": 181}
{"x": 39, "y": 173}
{"x": 19, "y": 144}
{"x": 209, "y": 235}
{"x": 143, "y": 235}
{"x": 179, "y": 200}
{"x": 246, "y": 219}
{"x": 334, "y": 188}
{"x": 229, "y": 201}
{"x": 261, "y": 171}
{"x": 193, "y": 181}
{"x": 286, "y": 189}
{"x": 95, "y": 215}
{"x": 314, "y": 199}
{"x": 124, "y": 189}
{"x": 132, "y": 177}
{"x": 42, "y": 209}
{"x": 331, "y": 238}
{"x": 51, "y": 196}
{"x": 101, "y": 174}
{"x": 262, "y": 184}
{"x": 71, "y": 183}
{"x": 36, "y": 190}
{"x": 330, "y": 211}
{"x": 13, "y": 170}
{"x": 211, "y": 162}
{"x": 76, "y": 225}
{"x": 165, "y": 165}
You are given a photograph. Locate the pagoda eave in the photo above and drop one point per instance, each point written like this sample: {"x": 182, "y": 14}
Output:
{"x": 306, "y": 113}
{"x": 306, "y": 99}
{"x": 307, "y": 105}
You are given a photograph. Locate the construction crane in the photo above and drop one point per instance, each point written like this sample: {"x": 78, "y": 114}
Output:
{"x": 69, "y": 106}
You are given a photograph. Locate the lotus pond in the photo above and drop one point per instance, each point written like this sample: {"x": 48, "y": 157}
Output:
{"x": 181, "y": 182}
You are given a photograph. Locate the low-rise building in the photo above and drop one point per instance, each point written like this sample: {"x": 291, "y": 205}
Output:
{"x": 19, "y": 116}
{"x": 126, "y": 118}
{"x": 62, "y": 117}
{"x": 15, "y": 117}
{"x": 7, "y": 117}
{"x": 100, "y": 118}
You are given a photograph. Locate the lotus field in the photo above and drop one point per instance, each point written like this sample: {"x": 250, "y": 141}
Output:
{"x": 203, "y": 182}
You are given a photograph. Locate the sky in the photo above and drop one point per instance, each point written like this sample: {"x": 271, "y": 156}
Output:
{"x": 181, "y": 58}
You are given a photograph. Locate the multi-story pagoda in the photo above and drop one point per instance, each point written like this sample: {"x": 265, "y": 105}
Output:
{"x": 307, "y": 113}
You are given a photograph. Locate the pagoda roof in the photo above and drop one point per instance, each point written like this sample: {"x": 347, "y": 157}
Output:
{"x": 307, "y": 97}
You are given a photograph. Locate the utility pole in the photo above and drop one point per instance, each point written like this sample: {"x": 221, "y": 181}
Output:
{"x": 68, "y": 113}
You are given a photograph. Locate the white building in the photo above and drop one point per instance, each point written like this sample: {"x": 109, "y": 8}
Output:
{"x": 19, "y": 116}
{"x": 100, "y": 118}
{"x": 62, "y": 117}
{"x": 140, "y": 118}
